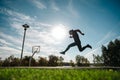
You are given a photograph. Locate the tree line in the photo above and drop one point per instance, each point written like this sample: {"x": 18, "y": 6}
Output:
{"x": 110, "y": 54}
{"x": 42, "y": 61}
{"x": 110, "y": 57}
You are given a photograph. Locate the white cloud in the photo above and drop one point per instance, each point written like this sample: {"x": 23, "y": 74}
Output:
{"x": 39, "y": 4}
{"x": 3, "y": 42}
{"x": 7, "y": 51}
{"x": 54, "y": 6}
{"x": 72, "y": 9}
{"x": 106, "y": 37}
{"x": 11, "y": 41}
{"x": 37, "y": 34}
{"x": 14, "y": 40}
{"x": 18, "y": 16}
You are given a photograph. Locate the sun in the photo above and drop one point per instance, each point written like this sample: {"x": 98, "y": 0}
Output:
{"x": 59, "y": 32}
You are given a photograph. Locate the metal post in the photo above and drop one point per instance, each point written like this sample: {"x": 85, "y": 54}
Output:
{"x": 31, "y": 59}
{"x": 25, "y": 28}
{"x": 37, "y": 50}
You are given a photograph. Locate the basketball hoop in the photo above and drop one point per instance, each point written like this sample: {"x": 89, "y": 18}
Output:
{"x": 35, "y": 49}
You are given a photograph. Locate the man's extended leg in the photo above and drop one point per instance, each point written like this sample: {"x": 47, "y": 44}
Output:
{"x": 69, "y": 46}
{"x": 82, "y": 48}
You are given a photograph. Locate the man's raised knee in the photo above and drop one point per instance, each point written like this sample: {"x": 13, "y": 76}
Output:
{"x": 80, "y": 50}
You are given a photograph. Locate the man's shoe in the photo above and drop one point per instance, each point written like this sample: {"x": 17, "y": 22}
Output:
{"x": 62, "y": 53}
{"x": 89, "y": 46}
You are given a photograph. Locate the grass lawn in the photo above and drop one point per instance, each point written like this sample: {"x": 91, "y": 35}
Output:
{"x": 57, "y": 74}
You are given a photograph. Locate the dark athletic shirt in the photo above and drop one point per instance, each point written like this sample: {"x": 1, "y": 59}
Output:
{"x": 75, "y": 36}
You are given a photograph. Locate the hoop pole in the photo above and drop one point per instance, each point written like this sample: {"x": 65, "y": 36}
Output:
{"x": 31, "y": 58}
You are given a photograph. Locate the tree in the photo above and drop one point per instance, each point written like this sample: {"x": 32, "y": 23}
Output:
{"x": 25, "y": 61}
{"x": 53, "y": 60}
{"x": 78, "y": 60}
{"x": 72, "y": 63}
{"x": 60, "y": 61}
{"x": 11, "y": 61}
{"x": 111, "y": 53}
{"x": 15, "y": 62}
{"x": 97, "y": 59}
{"x": 42, "y": 61}
{"x": 6, "y": 63}
{"x": 81, "y": 61}
{"x": 1, "y": 62}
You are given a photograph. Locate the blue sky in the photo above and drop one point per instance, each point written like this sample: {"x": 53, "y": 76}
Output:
{"x": 98, "y": 19}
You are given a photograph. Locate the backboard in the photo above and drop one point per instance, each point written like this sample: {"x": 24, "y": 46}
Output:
{"x": 35, "y": 49}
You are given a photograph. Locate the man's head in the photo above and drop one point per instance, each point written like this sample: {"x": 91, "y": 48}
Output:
{"x": 71, "y": 32}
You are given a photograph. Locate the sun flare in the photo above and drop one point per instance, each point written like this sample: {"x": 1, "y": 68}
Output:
{"x": 59, "y": 32}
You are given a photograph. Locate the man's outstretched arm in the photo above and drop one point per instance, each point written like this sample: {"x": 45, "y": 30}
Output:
{"x": 79, "y": 31}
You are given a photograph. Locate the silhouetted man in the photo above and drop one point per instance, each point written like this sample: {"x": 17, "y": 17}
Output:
{"x": 77, "y": 42}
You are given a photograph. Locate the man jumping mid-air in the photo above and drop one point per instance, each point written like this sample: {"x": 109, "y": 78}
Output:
{"x": 77, "y": 42}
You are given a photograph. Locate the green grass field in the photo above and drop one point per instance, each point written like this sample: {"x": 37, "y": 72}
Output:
{"x": 57, "y": 74}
